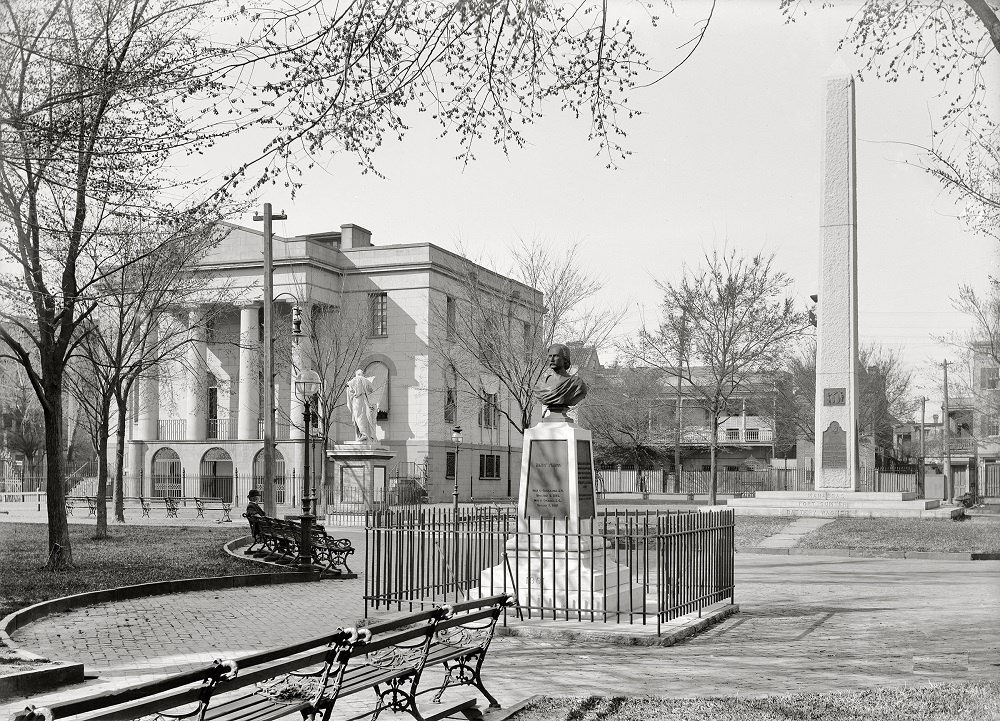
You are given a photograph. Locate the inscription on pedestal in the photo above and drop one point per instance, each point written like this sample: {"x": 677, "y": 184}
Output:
{"x": 585, "y": 480}
{"x": 548, "y": 479}
{"x": 834, "y": 447}
{"x": 352, "y": 485}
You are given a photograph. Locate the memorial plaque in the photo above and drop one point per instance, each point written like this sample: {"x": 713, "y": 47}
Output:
{"x": 352, "y": 484}
{"x": 548, "y": 479}
{"x": 834, "y": 396}
{"x": 585, "y": 479}
{"x": 834, "y": 447}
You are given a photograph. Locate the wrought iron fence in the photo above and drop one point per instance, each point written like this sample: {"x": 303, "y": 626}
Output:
{"x": 678, "y": 562}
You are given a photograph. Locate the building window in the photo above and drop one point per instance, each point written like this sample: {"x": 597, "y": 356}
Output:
{"x": 451, "y": 318}
{"x": 449, "y": 465}
{"x": 489, "y": 466}
{"x": 378, "y": 303}
{"x": 489, "y": 410}
{"x": 450, "y": 406}
{"x": 991, "y": 379}
{"x": 993, "y": 426}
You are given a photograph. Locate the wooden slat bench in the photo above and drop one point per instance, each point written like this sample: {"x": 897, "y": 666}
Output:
{"x": 310, "y": 677}
{"x": 214, "y": 504}
{"x": 277, "y": 540}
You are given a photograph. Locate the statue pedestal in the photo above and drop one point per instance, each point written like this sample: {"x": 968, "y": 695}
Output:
{"x": 360, "y": 470}
{"x": 556, "y": 561}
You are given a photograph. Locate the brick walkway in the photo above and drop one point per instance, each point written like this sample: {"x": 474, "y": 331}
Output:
{"x": 807, "y": 623}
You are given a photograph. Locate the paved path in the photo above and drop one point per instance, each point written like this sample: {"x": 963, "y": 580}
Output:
{"x": 794, "y": 532}
{"x": 807, "y": 623}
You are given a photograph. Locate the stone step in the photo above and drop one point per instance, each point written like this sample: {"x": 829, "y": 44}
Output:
{"x": 829, "y": 495}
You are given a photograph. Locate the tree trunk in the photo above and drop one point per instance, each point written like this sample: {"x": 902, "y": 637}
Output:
{"x": 120, "y": 464}
{"x": 60, "y": 552}
{"x": 713, "y": 473}
{"x": 102, "y": 479}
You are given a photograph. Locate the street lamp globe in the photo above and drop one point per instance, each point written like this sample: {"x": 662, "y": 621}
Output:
{"x": 307, "y": 384}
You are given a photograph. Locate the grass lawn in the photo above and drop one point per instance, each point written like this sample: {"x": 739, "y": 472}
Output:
{"x": 905, "y": 534}
{"x": 751, "y": 530}
{"x": 133, "y": 554}
{"x": 947, "y": 702}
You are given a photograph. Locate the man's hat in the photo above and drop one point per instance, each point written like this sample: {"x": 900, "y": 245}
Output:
{"x": 254, "y": 494}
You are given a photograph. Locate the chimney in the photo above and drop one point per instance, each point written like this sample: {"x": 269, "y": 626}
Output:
{"x": 354, "y": 236}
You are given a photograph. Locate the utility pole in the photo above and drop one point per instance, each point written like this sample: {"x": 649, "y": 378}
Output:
{"x": 268, "y": 490}
{"x": 949, "y": 485}
{"x": 679, "y": 405}
{"x": 921, "y": 487}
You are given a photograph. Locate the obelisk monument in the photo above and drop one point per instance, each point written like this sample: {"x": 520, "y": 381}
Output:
{"x": 837, "y": 316}
{"x": 837, "y": 490}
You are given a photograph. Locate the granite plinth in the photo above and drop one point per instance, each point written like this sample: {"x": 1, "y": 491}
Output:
{"x": 841, "y": 503}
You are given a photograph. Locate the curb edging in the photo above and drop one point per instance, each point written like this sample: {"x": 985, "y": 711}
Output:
{"x": 681, "y": 630}
{"x": 866, "y": 553}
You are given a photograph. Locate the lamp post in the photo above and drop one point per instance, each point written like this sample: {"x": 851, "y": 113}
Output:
{"x": 456, "y": 437}
{"x": 306, "y": 386}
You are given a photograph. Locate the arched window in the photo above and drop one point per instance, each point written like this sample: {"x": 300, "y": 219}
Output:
{"x": 380, "y": 372}
{"x": 279, "y": 475}
{"x": 166, "y": 474}
{"x": 216, "y": 479}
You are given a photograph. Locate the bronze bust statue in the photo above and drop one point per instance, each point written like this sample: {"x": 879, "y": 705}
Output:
{"x": 558, "y": 391}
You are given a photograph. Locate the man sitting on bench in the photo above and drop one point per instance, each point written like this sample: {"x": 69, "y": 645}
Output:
{"x": 253, "y": 507}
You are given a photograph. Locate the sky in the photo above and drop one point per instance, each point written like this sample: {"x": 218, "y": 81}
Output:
{"x": 725, "y": 155}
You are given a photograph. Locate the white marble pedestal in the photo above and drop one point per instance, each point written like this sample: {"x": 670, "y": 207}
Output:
{"x": 556, "y": 561}
{"x": 359, "y": 475}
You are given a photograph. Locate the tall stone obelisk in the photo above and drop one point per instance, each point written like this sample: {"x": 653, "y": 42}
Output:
{"x": 837, "y": 318}
{"x": 837, "y": 484}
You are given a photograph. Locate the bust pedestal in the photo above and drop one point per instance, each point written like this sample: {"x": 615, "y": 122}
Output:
{"x": 555, "y": 561}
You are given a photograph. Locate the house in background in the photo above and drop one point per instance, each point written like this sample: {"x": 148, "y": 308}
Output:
{"x": 196, "y": 426}
{"x": 973, "y": 430}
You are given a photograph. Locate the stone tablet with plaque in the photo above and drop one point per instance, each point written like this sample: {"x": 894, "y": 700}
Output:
{"x": 557, "y": 559}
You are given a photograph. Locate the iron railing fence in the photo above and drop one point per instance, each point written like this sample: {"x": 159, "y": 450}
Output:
{"x": 678, "y": 562}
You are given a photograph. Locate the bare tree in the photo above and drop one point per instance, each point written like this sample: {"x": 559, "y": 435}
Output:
{"x": 497, "y": 327}
{"x": 90, "y": 119}
{"x": 738, "y": 327}
{"x": 626, "y": 415}
{"x": 124, "y": 338}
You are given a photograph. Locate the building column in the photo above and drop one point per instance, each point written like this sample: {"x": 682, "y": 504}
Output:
{"x": 197, "y": 368}
{"x": 249, "y": 390}
{"x": 148, "y": 400}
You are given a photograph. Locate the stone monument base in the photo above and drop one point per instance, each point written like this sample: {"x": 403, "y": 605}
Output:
{"x": 359, "y": 475}
{"x": 564, "y": 581}
{"x": 904, "y": 504}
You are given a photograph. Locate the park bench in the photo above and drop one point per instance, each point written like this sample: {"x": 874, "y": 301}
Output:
{"x": 214, "y": 504}
{"x": 277, "y": 540}
{"x": 79, "y": 501}
{"x": 311, "y": 676}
